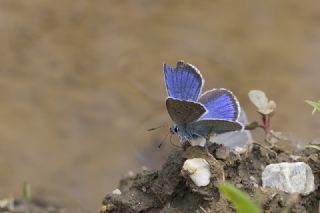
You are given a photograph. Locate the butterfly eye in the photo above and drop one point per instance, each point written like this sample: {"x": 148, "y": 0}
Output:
{"x": 174, "y": 129}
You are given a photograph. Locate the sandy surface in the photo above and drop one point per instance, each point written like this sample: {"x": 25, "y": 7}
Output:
{"x": 80, "y": 83}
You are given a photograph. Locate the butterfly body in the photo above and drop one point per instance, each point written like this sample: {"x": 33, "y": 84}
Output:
{"x": 215, "y": 111}
{"x": 191, "y": 131}
{"x": 185, "y": 132}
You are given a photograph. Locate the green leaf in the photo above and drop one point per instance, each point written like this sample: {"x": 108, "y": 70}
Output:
{"x": 239, "y": 199}
{"x": 312, "y": 147}
{"x": 26, "y": 191}
{"x": 261, "y": 101}
{"x": 315, "y": 105}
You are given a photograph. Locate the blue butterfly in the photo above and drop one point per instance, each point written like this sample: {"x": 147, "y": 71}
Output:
{"x": 215, "y": 111}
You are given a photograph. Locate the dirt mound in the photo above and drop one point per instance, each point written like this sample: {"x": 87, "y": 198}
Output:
{"x": 167, "y": 190}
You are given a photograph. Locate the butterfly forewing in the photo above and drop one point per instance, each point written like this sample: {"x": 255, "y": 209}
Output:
{"x": 183, "y": 82}
{"x": 183, "y": 112}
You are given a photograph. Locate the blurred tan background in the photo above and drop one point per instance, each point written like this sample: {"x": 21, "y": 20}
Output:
{"x": 81, "y": 81}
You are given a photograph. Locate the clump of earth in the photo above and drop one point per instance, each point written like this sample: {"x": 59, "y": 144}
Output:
{"x": 168, "y": 190}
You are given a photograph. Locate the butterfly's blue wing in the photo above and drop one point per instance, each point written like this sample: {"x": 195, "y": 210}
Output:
{"x": 183, "y": 82}
{"x": 220, "y": 104}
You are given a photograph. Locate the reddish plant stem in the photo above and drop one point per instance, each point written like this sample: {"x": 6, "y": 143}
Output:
{"x": 266, "y": 126}
{"x": 266, "y": 123}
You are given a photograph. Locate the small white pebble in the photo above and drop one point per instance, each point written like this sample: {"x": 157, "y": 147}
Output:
{"x": 116, "y": 192}
{"x": 4, "y": 203}
{"x": 144, "y": 168}
{"x": 239, "y": 185}
{"x": 295, "y": 157}
{"x": 144, "y": 189}
{"x": 7, "y": 204}
{"x": 198, "y": 170}
{"x": 240, "y": 150}
{"x": 252, "y": 178}
{"x": 198, "y": 142}
{"x": 130, "y": 173}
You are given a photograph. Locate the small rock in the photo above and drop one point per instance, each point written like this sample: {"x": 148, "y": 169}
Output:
{"x": 198, "y": 142}
{"x": 295, "y": 157}
{"x": 103, "y": 209}
{"x": 143, "y": 188}
{"x": 199, "y": 171}
{"x": 7, "y": 204}
{"x": 116, "y": 192}
{"x": 131, "y": 174}
{"x": 106, "y": 208}
{"x": 289, "y": 177}
{"x": 252, "y": 178}
{"x": 222, "y": 153}
{"x": 144, "y": 168}
{"x": 239, "y": 150}
{"x": 239, "y": 185}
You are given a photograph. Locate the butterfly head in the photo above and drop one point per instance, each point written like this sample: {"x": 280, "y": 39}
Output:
{"x": 174, "y": 129}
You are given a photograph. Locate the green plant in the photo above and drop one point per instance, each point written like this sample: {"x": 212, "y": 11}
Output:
{"x": 26, "y": 192}
{"x": 315, "y": 105}
{"x": 316, "y": 147}
{"x": 239, "y": 199}
{"x": 265, "y": 108}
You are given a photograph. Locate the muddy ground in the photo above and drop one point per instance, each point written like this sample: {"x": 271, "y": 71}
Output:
{"x": 167, "y": 190}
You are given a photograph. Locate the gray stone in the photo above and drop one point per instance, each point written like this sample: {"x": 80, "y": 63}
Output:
{"x": 289, "y": 177}
{"x": 222, "y": 153}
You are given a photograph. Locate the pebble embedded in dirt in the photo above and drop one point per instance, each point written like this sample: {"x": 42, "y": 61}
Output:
{"x": 198, "y": 170}
{"x": 116, "y": 192}
{"x": 289, "y": 177}
{"x": 222, "y": 153}
{"x": 166, "y": 190}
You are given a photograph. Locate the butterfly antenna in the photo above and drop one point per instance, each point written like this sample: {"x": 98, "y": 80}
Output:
{"x": 155, "y": 128}
{"x": 163, "y": 140}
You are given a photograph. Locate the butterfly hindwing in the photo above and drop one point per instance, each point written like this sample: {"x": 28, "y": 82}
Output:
{"x": 220, "y": 104}
{"x": 205, "y": 127}
{"x": 183, "y": 82}
{"x": 183, "y": 112}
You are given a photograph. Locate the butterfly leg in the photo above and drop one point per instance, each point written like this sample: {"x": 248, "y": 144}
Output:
{"x": 206, "y": 146}
{"x": 184, "y": 142}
